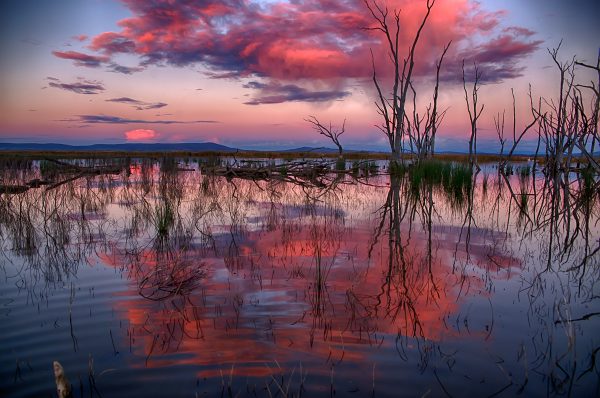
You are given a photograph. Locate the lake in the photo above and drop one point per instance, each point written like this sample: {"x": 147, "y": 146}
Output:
{"x": 165, "y": 278}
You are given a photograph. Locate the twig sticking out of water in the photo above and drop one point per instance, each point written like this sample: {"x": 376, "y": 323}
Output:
{"x": 63, "y": 387}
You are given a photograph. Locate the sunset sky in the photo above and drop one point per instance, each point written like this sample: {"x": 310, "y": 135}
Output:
{"x": 245, "y": 73}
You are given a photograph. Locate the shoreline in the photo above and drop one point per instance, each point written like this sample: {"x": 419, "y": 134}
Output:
{"x": 453, "y": 157}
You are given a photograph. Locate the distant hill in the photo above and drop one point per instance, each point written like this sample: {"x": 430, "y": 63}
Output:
{"x": 156, "y": 147}
{"x": 191, "y": 147}
{"x": 132, "y": 147}
{"x": 326, "y": 150}
{"x": 311, "y": 149}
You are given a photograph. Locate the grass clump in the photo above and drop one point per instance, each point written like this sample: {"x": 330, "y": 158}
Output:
{"x": 397, "y": 168}
{"x": 168, "y": 164}
{"x": 455, "y": 179}
{"x": 164, "y": 219}
{"x": 370, "y": 168}
{"x": 210, "y": 161}
{"x": 49, "y": 169}
{"x": 588, "y": 182}
{"x": 507, "y": 170}
{"x": 524, "y": 199}
{"x": 365, "y": 168}
{"x": 525, "y": 171}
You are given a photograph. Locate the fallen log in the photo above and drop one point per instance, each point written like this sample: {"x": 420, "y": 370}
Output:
{"x": 36, "y": 183}
{"x": 68, "y": 167}
{"x": 13, "y": 189}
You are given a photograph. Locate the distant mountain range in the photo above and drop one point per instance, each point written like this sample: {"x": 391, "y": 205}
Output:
{"x": 140, "y": 147}
{"x": 127, "y": 147}
{"x": 179, "y": 147}
{"x": 321, "y": 149}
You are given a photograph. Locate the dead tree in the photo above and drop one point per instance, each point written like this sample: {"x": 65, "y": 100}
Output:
{"x": 560, "y": 131}
{"x": 499, "y": 123}
{"x": 593, "y": 121}
{"x": 474, "y": 111}
{"x": 330, "y": 132}
{"x": 435, "y": 120}
{"x": 518, "y": 139}
{"x": 421, "y": 130}
{"x": 393, "y": 109}
{"x": 567, "y": 124}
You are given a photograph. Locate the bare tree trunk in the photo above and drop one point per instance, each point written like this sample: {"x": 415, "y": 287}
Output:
{"x": 474, "y": 113}
{"x": 434, "y": 114}
{"x": 329, "y": 132}
{"x": 393, "y": 110}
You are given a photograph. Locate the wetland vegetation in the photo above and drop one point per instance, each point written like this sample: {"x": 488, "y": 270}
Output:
{"x": 277, "y": 277}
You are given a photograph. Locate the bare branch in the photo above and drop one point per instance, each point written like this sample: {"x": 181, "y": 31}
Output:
{"x": 329, "y": 132}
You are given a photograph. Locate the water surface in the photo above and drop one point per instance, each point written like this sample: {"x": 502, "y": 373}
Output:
{"x": 182, "y": 283}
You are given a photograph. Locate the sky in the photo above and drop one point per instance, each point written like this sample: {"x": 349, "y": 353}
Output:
{"x": 247, "y": 73}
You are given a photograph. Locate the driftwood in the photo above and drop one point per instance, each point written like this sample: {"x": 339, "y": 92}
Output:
{"x": 307, "y": 174}
{"x": 68, "y": 167}
{"x": 63, "y": 387}
{"x": 13, "y": 189}
{"x": 36, "y": 183}
{"x": 17, "y": 189}
{"x": 81, "y": 172}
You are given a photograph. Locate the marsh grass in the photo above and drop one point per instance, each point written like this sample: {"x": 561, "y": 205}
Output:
{"x": 525, "y": 171}
{"x": 455, "y": 179}
{"x": 508, "y": 170}
{"x": 370, "y": 167}
{"x": 49, "y": 169}
{"x": 174, "y": 274}
{"x": 523, "y": 201}
{"x": 397, "y": 169}
{"x": 16, "y": 164}
{"x": 484, "y": 182}
{"x": 164, "y": 219}
{"x": 168, "y": 164}
{"x": 290, "y": 155}
{"x": 588, "y": 183}
{"x": 365, "y": 168}
{"x": 210, "y": 161}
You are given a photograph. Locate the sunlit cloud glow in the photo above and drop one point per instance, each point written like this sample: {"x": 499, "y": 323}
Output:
{"x": 140, "y": 135}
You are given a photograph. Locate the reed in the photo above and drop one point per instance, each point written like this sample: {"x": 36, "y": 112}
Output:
{"x": 164, "y": 219}
{"x": 455, "y": 179}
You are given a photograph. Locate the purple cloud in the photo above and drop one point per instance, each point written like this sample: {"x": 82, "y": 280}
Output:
{"x": 81, "y": 59}
{"x": 105, "y": 119}
{"x": 80, "y": 87}
{"x": 275, "y": 93}
{"x": 139, "y": 105}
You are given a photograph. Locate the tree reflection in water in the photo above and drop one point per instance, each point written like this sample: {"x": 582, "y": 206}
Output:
{"x": 231, "y": 273}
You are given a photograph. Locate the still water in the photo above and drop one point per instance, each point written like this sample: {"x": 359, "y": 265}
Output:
{"x": 162, "y": 281}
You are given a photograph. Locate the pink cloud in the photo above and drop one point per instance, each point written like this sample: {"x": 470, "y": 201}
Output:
{"x": 307, "y": 40}
{"x": 81, "y": 59}
{"x": 140, "y": 135}
{"x": 80, "y": 37}
{"x": 110, "y": 42}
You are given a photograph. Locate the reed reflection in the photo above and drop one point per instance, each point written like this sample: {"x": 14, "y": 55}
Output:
{"x": 231, "y": 270}
{"x": 279, "y": 270}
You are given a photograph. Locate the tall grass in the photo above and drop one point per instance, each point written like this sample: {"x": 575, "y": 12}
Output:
{"x": 454, "y": 179}
{"x": 588, "y": 183}
{"x": 49, "y": 169}
{"x": 164, "y": 218}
